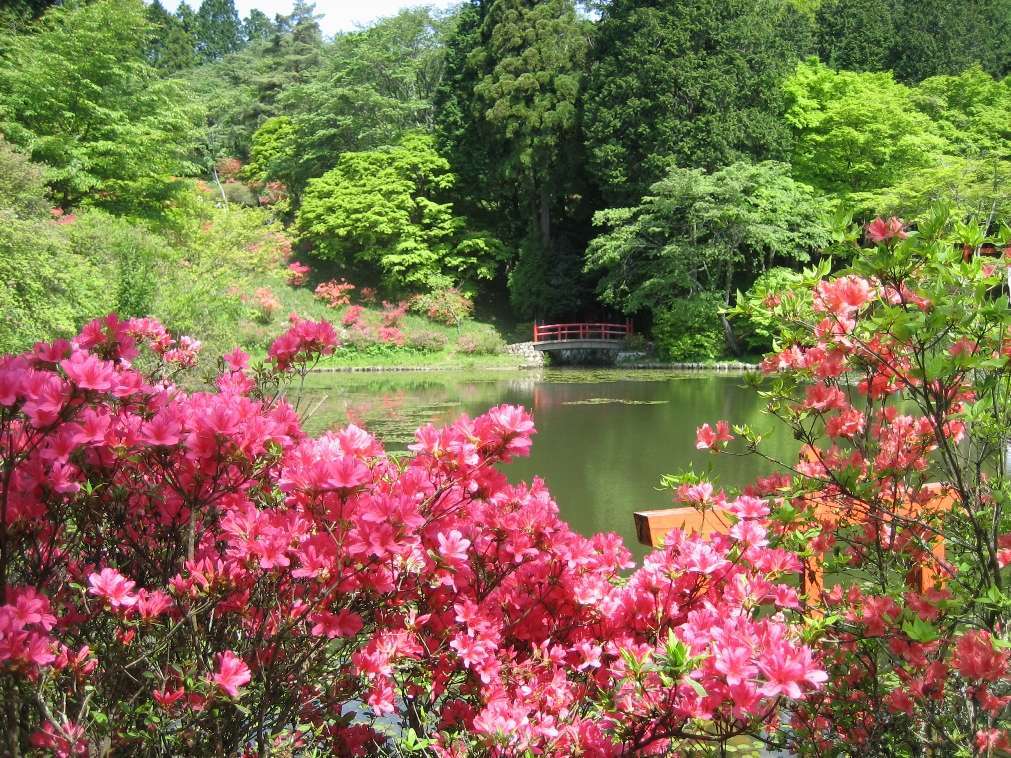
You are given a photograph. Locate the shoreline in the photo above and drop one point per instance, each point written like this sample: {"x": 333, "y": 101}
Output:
{"x": 719, "y": 367}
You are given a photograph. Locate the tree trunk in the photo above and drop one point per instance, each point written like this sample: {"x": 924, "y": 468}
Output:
{"x": 728, "y": 331}
{"x": 544, "y": 218}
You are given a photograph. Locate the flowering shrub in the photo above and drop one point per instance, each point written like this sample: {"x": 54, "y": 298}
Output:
{"x": 426, "y": 340}
{"x": 267, "y": 304}
{"x": 228, "y": 168}
{"x": 483, "y": 342}
{"x": 445, "y": 306}
{"x": 893, "y": 374}
{"x": 393, "y": 313}
{"x": 298, "y": 274}
{"x": 391, "y": 335}
{"x": 334, "y": 293}
{"x": 190, "y": 573}
{"x": 352, "y": 316}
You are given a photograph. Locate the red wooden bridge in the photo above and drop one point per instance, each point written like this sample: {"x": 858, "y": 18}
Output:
{"x": 585, "y": 336}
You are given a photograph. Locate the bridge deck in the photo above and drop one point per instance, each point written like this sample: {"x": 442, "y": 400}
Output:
{"x": 579, "y": 344}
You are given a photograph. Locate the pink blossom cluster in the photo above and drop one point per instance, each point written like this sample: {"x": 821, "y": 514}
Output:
{"x": 298, "y": 273}
{"x": 304, "y": 341}
{"x": 878, "y": 407}
{"x": 335, "y": 293}
{"x": 175, "y": 554}
{"x": 352, "y": 316}
{"x": 393, "y": 313}
{"x": 267, "y": 304}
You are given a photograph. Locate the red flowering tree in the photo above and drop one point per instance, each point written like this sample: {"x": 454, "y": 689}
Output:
{"x": 189, "y": 573}
{"x": 895, "y": 376}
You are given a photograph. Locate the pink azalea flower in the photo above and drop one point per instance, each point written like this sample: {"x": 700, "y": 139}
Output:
{"x": 706, "y": 437}
{"x": 112, "y": 587}
{"x": 882, "y": 230}
{"x": 231, "y": 674}
{"x": 453, "y": 546}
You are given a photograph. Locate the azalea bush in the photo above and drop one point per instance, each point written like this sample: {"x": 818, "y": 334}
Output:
{"x": 895, "y": 376}
{"x": 189, "y": 573}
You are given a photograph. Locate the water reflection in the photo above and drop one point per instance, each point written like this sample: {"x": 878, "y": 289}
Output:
{"x": 604, "y": 436}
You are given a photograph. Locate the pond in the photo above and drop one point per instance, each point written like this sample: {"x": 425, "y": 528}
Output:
{"x": 604, "y": 437}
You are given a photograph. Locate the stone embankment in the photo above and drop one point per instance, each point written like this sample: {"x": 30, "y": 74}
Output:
{"x": 530, "y": 356}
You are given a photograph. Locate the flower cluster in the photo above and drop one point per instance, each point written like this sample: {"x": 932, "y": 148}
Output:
{"x": 891, "y": 390}
{"x": 298, "y": 274}
{"x": 303, "y": 342}
{"x": 267, "y": 304}
{"x": 177, "y": 563}
{"x": 334, "y": 293}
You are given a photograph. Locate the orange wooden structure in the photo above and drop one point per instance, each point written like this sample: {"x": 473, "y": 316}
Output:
{"x": 652, "y": 526}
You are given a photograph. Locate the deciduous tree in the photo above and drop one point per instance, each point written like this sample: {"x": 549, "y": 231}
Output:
{"x": 382, "y": 209}
{"x": 106, "y": 126}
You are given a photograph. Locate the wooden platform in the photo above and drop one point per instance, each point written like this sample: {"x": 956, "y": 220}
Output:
{"x": 652, "y": 526}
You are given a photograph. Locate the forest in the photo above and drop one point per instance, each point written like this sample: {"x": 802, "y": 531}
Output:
{"x": 549, "y": 159}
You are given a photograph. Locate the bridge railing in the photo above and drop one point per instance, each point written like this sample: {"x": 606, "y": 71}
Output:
{"x": 582, "y": 331}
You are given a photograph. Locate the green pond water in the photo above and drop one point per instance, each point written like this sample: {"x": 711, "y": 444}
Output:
{"x": 604, "y": 437}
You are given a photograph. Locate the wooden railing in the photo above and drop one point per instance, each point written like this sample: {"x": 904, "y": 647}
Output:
{"x": 583, "y": 331}
{"x": 652, "y": 526}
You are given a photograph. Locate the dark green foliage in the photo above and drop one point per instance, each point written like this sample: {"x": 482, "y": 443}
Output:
{"x": 105, "y": 126}
{"x": 549, "y": 285}
{"x": 943, "y": 37}
{"x": 219, "y": 30}
{"x": 694, "y": 83}
{"x": 689, "y": 328}
{"x": 171, "y": 45}
{"x": 508, "y": 120}
{"x": 856, "y": 35}
{"x": 466, "y": 137}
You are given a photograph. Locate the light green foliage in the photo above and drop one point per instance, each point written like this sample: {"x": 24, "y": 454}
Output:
{"x": 78, "y": 95}
{"x": 133, "y": 258}
{"x": 373, "y": 86}
{"x": 978, "y": 189}
{"x": 884, "y": 147}
{"x": 694, "y": 83}
{"x": 689, "y": 329}
{"x": 46, "y": 289}
{"x": 856, "y": 132}
{"x": 22, "y": 185}
{"x": 778, "y": 297}
{"x": 970, "y": 111}
{"x": 274, "y": 150}
{"x": 697, "y": 232}
{"x": 380, "y": 208}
